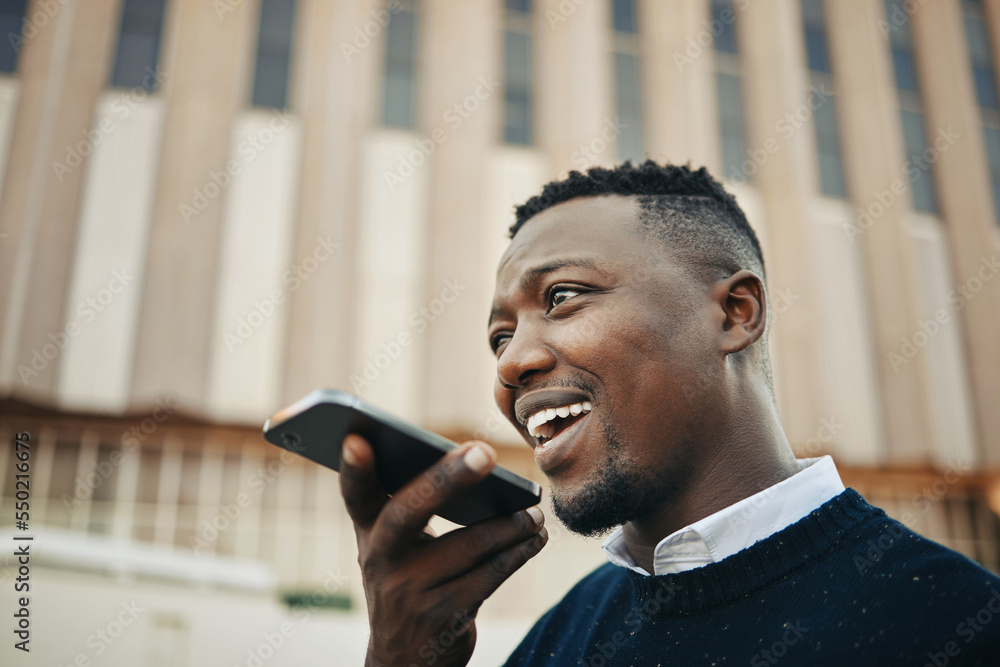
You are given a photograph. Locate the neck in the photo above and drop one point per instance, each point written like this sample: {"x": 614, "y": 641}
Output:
{"x": 742, "y": 461}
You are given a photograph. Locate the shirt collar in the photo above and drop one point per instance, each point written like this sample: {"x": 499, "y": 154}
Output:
{"x": 740, "y": 525}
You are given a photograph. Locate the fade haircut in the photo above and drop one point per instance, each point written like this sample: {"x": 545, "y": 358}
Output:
{"x": 688, "y": 211}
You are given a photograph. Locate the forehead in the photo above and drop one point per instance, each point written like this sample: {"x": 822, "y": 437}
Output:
{"x": 602, "y": 229}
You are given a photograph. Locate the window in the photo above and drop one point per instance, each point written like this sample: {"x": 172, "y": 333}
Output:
{"x": 11, "y": 19}
{"x": 915, "y": 143}
{"x": 274, "y": 53}
{"x": 623, "y": 17}
{"x": 518, "y": 60}
{"x": 829, "y": 158}
{"x": 139, "y": 44}
{"x": 729, "y": 92}
{"x": 628, "y": 79}
{"x": 917, "y": 167}
{"x": 399, "y": 94}
{"x": 977, "y": 37}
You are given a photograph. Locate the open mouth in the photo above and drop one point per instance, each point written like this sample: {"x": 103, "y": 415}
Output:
{"x": 546, "y": 424}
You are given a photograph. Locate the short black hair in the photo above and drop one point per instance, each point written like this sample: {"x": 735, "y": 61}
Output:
{"x": 688, "y": 210}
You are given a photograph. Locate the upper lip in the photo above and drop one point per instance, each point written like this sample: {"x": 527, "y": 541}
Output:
{"x": 541, "y": 399}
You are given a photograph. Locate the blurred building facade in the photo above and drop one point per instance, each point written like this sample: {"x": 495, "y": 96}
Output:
{"x": 211, "y": 208}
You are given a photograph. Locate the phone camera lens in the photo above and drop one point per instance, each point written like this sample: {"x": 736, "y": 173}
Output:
{"x": 290, "y": 440}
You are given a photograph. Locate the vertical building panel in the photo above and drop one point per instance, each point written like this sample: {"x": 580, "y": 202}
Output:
{"x": 851, "y": 415}
{"x": 573, "y": 86}
{"x": 112, "y": 241}
{"x": 461, "y": 68}
{"x": 938, "y": 337}
{"x": 332, "y": 68}
{"x": 679, "y": 83}
{"x": 173, "y": 353}
{"x": 963, "y": 179}
{"x": 62, "y": 69}
{"x": 874, "y": 157}
{"x": 774, "y": 77}
{"x": 256, "y": 270}
{"x": 392, "y": 317}
{"x": 10, "y": 91}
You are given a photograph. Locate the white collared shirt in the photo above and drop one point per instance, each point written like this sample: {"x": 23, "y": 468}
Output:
{"x": 740, "y": 525}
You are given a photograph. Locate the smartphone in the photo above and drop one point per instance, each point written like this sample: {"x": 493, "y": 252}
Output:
{"x": 316, "y": 425}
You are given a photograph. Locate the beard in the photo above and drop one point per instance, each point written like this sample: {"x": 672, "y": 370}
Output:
{"x": 619, "y": 491}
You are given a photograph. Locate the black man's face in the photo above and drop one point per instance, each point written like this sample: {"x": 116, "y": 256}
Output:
{"x": 597, "y": 332}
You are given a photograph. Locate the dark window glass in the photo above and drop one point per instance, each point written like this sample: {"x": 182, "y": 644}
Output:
{"x": 986, "y": 91}
{"x": 919, "y": 170}
{"x": 518, "y": 93}
{"x": 904, "y": 65}
{"x": 982, "y": 62}
{"x": 919, "y": 173}
{"x": 138, "y": 51}
{"x": 729, "y": 91}
{"x": 906, "y": 71}
{"x": 628, "y": 100}
{"x": 725, "y": 40}
{"x": 977, "y": 37}
{"x": 831, "y": 164}
{"x": 623, "y": 15}
{"x": 11, "y": 21}
{"x": 991, "y": 138}
{"x": 274, "y": 53}
{"x": 897, "y": 23}
{"x": 518, "y": 5}
{"x": 734, "y": 144}
{"x": 817, "y": 50}
{"x": 400, "y": 92}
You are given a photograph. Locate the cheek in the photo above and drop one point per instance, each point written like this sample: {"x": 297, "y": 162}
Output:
{"x": 588, "y": 343}
{"x": 502, "y": 398}
{"x": 655, "y": 365}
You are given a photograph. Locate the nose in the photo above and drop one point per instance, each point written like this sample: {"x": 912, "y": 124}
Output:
{"x": 526, "y": 354}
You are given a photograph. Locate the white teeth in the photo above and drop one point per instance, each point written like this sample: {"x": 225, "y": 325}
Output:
{"x": 536, "y": 423}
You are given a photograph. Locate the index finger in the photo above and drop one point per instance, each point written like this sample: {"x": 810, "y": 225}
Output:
{"x": 409, "y": 510}
{"x": 363, "y": 493}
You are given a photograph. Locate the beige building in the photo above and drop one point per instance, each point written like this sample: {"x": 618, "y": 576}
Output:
{"x": 210, "y": 208}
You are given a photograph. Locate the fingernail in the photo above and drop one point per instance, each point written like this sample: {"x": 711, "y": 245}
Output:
{"x": 349, "y": 454}
{"x": 536, "y": 515}
{"x": 476, "y": 458}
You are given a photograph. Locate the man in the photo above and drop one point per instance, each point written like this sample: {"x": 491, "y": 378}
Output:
{"x": 629, "y": 323}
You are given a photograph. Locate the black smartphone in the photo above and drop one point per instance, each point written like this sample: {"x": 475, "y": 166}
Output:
{"x": 316, "y": 425}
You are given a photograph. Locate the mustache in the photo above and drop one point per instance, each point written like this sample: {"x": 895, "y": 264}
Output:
{"x": 572, "y": 383}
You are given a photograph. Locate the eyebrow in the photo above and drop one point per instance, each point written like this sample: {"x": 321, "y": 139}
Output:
{"x": 533, "y": 274}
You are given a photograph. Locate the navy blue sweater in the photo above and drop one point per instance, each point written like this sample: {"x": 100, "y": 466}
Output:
{"x": 845, "y": 586}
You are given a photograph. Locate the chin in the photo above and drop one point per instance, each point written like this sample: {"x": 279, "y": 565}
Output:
{"x": 619, "y": 491}
{"x": 583, "y": 522}
{"x": 614, "y": 495}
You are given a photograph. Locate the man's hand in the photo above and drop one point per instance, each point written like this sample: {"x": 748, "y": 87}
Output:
{"x": 423, "y": 592}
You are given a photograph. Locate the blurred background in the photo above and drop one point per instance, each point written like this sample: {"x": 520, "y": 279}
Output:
{"x": 211, "y": 208}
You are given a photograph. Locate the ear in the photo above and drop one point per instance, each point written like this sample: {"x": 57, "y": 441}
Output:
{"x": 743, "y": 300}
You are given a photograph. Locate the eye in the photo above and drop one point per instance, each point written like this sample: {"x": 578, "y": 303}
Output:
{"x": 499, "y": 339}
{"x": 560, "y": 295}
